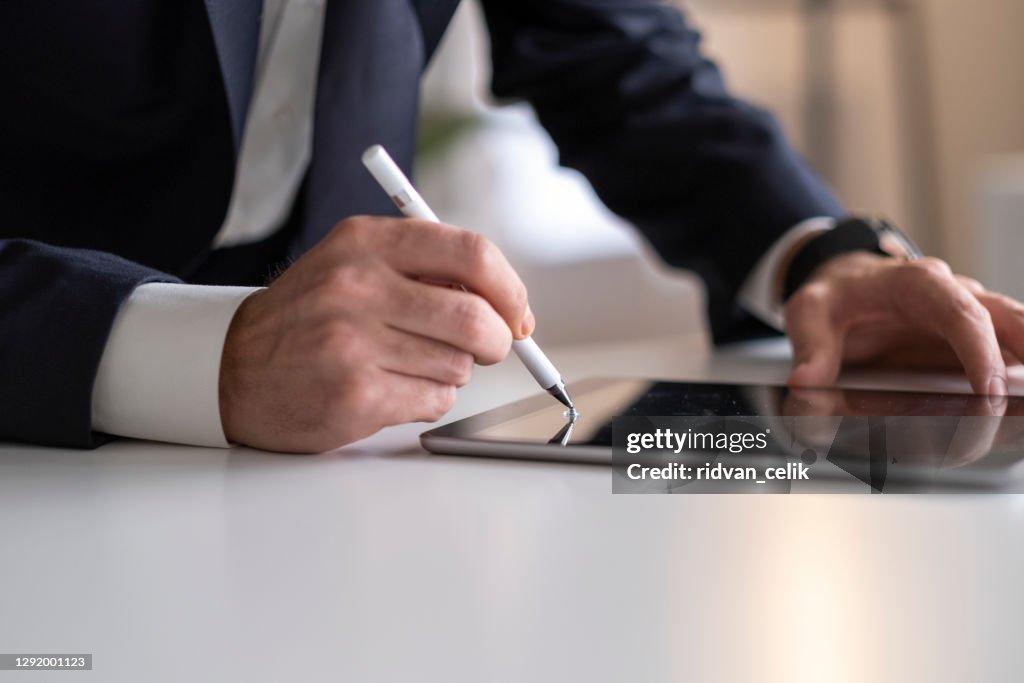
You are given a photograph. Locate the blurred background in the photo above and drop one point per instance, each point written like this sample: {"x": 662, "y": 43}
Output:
{"x": 913, "y": 109}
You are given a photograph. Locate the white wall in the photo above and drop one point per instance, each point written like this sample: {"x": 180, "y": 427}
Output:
{"x": 978, "y": 57}
{"x": 974, "y": 89}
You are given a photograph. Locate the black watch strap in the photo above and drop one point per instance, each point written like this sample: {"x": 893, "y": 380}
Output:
{"x": 850, "y": 234}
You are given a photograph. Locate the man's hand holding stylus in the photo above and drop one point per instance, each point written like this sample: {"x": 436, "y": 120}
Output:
{"x": 353, "y": 337}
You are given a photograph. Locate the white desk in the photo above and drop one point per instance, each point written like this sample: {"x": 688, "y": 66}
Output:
{"x": 381, "y": 563}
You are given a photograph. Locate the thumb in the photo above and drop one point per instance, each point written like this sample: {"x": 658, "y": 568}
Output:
{"x": 817, "y": 346}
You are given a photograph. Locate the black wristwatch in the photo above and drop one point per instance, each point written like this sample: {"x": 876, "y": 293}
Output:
{"x": 856, "y": 233}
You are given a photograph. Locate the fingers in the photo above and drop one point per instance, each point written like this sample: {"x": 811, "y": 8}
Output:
{"x": 410, "y": 354}
{"x": 817, "y": 341}
{"x": 413, "y": 399}
{"x": 448, "y": 254}
{"x": 370, "y": 399}
{"x": 972, "y": 285}
{"x": 804, "y": 402}
{"x": 974, "y": 438}
{"x": 1007, "y": 319}
{"x": 456, "y": 318}
{"x": 931, "y": 296}
{"x": 861, "y": 296}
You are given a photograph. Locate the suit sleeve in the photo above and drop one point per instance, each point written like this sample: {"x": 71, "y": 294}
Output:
{"x": 622, "y": 87}
{"x": 57, "y": 306}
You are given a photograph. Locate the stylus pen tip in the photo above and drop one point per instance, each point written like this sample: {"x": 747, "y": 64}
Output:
{"x": 559, "y": 392}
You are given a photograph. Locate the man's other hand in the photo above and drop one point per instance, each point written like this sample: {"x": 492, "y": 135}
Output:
{"x": 353, "y": 337}
{"x": 861, "y": 308}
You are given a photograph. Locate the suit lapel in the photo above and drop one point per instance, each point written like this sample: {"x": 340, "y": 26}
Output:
{"x": 236, "y": 33}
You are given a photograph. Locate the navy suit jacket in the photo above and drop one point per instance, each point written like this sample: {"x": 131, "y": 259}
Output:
{"x": 122, "y": 122}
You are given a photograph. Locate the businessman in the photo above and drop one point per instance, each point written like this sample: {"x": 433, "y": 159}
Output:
{"x": 161, "y": 160}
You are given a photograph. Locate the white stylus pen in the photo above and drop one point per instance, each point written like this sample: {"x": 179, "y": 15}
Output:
{"x": 390, "y": 177}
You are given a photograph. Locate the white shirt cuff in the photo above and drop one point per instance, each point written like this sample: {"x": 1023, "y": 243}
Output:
{"x": 760, "y": 294}
{"x": 159, "y": 375}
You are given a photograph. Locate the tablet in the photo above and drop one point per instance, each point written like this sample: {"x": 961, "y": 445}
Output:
{"x": 960, "y": 437}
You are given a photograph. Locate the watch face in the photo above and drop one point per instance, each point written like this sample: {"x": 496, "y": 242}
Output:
{"x": 895, "y": 242}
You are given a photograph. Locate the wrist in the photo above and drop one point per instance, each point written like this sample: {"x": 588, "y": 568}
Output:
{"x": 852, "y": 264}
{"x": 851, "y": 235}
{"x": 238, "y": 346}
{"x": 779, "y": 283}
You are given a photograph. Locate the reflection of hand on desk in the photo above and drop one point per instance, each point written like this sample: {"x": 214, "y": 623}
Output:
{"x": 977, "y": 429}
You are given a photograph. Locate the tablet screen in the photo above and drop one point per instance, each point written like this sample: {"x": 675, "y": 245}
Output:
{"x": 926, "y": 429}
{"x": 600, "y": 401}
